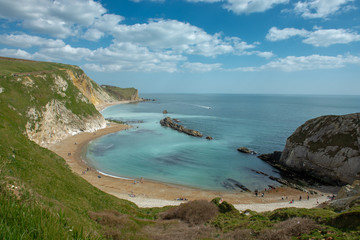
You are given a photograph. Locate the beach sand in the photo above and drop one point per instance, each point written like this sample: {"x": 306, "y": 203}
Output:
{"x": 146, "y": 193}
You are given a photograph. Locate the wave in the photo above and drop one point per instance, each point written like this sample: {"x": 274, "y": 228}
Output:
{"x": 113, "y": 176}
{"x": 197, "y": 105}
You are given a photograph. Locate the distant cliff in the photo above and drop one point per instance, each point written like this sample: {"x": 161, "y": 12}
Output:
{"x": 50, "y": 100}
{"x": 130, "y": 94}
{"x": 326, "y": 147}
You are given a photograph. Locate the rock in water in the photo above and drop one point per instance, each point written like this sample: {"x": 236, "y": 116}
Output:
{"x": 209, "y": 138}
{"x": 165, "y": 112}
{"x": 246, "y": 150}
{"x": 326, "y": 147}
{"x": 168, "y": 122}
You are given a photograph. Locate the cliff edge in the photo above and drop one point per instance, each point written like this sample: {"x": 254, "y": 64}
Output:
{"x": 326, "y": 147}
{"x": 51, "y": 101}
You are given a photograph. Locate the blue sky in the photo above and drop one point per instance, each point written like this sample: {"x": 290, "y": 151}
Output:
{"x": 194, "y": 46}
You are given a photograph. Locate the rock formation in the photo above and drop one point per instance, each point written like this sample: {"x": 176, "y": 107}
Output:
{"x": 246, "y": 150}
{"x": 326, "y": 147}
{"x": 348, "y": 196}
{"x": 168, "y": 122}
{"x": 54, "y": 103}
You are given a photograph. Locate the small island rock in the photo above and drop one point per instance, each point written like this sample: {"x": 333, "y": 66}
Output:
{"x": 246, "y": 150}
{"x": 165, "y": 111}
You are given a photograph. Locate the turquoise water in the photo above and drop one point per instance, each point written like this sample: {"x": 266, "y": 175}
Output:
{"x": 259, "y": 122}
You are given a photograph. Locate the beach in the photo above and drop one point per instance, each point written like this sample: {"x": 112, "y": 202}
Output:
{"x": 146, "y": 193}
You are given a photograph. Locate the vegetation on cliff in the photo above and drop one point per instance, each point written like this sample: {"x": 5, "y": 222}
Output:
{"x": 41, "y": 198}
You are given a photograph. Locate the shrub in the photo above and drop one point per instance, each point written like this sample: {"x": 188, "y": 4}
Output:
{"x": 225, "y": 207}
{"x": 194, "y": 212}
{"x": 289, "y": 228}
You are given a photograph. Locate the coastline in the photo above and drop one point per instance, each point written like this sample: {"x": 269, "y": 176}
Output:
{"x": 156, "y": 194}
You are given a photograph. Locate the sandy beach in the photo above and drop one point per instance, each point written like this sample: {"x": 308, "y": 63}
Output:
{"x": 146, "y": 193}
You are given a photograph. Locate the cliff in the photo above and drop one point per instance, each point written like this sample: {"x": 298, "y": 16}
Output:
{"x": 51, "y": 100}
{"x": 326, "y": 147}
{"x": 130, "y": 94}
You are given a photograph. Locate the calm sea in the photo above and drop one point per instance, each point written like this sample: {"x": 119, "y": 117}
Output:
{"x": 259, "y": 122}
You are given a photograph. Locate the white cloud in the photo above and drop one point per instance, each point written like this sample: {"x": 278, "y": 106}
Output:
{"x": 131, "y": 57}
{"x": 303, "y": 63}
{"x": 245, "y": 6}
{"x": 65, "y": 52}
{"x": 201, "y": 67}
{"x": 264, "y": 54}
{"x": 16, "y": 53}
{"x": 321, "y": 8}
{"x": 327, "y": 37}
{"x": 179, "y": 37}
{"x": 251, "y": 6}
{"x": 276, "y": 34}
{"x": 312, "y": 62}
{"x": 59, "y": 18}
{"x": 27, "y": 41}
{"x": 318, "y": 37}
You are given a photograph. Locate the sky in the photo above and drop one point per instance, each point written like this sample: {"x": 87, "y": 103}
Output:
{"x": 194, "y": 46}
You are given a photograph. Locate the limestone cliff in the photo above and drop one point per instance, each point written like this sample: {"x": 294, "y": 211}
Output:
{"x": 326, "y": 147}
{"x": 89, "y": 88}
{"x": 50, "y": 100}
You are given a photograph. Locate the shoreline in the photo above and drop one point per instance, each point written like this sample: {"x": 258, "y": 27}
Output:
{"x": 157, "y": 194}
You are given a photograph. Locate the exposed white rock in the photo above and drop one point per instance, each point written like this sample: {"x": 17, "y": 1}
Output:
{"x": 57, "y": 122}
{"x": 328, "y": 147}
{"x": 1, "y": 89}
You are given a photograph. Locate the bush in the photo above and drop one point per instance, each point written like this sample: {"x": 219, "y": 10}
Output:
{"x": 225, "y": 207}
{"x": 194, "y": 212}
{"x": 289, "y": 228}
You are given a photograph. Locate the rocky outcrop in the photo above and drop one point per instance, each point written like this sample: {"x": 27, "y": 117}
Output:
{"x": 246, "y": 150}
{"x": 168, "y": 122}
{"x": 54, "y": 104}
{"x": 55, "y": 122}
{"x": 326, "y": 147}
{"x": 348, "y": 196}
{"x": 166, "y": 112}
{"x": 271, "y": 157}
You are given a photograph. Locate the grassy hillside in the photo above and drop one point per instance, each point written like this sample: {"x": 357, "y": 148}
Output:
{"x": 122, "y": 93}
{"x": 40, "y": 197}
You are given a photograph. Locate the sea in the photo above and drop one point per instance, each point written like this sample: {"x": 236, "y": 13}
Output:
{"x": 261, "y": 123}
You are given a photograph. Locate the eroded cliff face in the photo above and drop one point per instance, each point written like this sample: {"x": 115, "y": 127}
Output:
{"x": 53, "y": 104}
{"x": 55, "y": 122}
{"x": 327, "y": 147}
{"x": 89, "y": 88}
